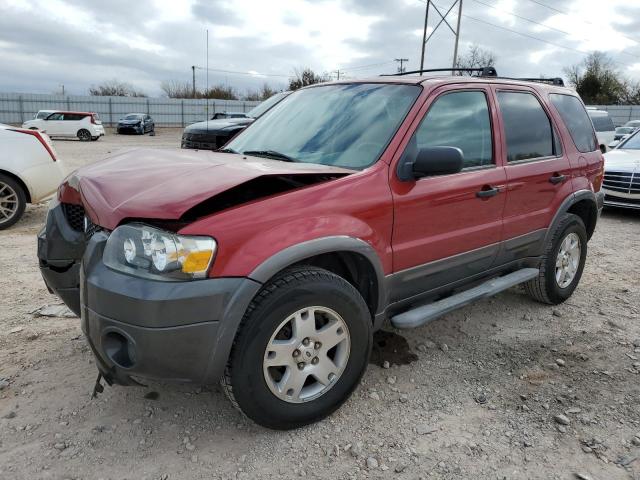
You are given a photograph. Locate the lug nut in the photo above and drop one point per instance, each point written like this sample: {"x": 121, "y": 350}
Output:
{"x": 300, "y": 365}
{"x": 305, "y": 342}
{"x": 315, "y": 360}
{"x": 317, "y": 345}
{"x": 296, "y": 353}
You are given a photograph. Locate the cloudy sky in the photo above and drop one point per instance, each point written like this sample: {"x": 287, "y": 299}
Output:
{"x": 79, "y": 43}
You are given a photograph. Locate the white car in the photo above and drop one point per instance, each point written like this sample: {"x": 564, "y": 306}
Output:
{"x": 621, "y": 184}
{"x": 633, "y": 124}
{"x": 30, "y": 171}
{"x": 43, "y": 114}
{"x": 605, "y": 130}
{"x": 83, "y": 125}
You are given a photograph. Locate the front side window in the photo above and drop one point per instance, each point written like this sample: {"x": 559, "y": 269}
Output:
{"x": 575, "y": 117}
{"x": 459, "y": 119}
{"x": 346, "y": 125}
{"x": 55, "y": 116}
{"x": 527, "y": 127}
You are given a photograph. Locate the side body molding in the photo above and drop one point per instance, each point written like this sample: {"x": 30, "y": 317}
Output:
{"x": 318, "y": 246}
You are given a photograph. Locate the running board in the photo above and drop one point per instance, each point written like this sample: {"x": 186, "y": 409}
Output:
{"x": 426, "y": 313}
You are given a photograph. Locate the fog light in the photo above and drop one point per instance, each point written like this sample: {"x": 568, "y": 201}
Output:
{"x": 119, "y": 349}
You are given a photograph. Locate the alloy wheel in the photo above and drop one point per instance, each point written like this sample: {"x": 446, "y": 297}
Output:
{"x": 8, "y": 202}
{"x": 568, "y": 260}
{"x": 306, "y": 354}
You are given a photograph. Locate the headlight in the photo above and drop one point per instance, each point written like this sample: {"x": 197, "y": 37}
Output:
{"x": 148, "y": 252}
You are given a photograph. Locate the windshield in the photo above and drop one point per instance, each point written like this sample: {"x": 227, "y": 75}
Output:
{"x": 624, "y": 130}
{"x": 133, "y": 117}
{"x": 602, "y": 123}
{"x": 259, "y": 109}
{"x": 346, "y": 125}
{"x": 631, "y": 143}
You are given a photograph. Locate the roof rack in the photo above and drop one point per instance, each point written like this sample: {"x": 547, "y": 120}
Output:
{"x": 482, "y": 72}
{"x": 550, "y": 81}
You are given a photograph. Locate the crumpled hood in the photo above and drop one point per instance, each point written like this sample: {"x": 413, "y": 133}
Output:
{"x": 217, "y": 124}
{"x": 164, "y": 184}
{"x": 623, "y": 160}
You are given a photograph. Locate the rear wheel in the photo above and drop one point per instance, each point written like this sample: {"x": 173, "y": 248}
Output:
{"x": 84, "y": 135}
{"x": 13, "y": 201}
{"x": 562, "y": 264}
{"x": 301, "y": 349}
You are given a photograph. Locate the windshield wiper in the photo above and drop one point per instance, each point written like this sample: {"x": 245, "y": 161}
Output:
{"x": 270, "y": 154}
{"x": 227, "y": 150}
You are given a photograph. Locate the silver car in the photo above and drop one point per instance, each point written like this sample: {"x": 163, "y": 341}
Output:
{"x": 622, "y": 174}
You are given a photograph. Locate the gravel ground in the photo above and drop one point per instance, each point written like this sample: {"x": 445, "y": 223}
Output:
{"x": 503, "y": 389}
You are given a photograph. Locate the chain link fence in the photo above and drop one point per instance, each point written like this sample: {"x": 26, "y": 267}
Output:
{"x": 15, "y": 108}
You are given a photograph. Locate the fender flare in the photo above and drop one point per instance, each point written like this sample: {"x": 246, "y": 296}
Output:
{"x": 341, "y": 243}
{"x": 575, "y": 197}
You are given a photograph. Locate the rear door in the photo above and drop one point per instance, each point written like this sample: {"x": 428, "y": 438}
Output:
{"x": 537, "y": 168}
{"x": 448, "y": 227}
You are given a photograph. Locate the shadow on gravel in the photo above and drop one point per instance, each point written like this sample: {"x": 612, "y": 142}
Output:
{"x": 391, "y": 347}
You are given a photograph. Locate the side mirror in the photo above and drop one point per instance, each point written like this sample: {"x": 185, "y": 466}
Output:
{"x": 437, "y": 161}
{"x": 603, "y": 148}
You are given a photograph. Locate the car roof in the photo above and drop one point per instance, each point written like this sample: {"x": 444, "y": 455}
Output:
{"x": 438, "y": 80}
{"x": 68, "y": 111}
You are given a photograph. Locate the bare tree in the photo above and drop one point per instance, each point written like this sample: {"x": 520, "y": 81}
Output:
{"x": 306, "y": 76}
{"x": 475, "y": 57}
{"x": 262, "y": 94}
{"x": 178, "y": 89}
{"x": 115, "y": 88}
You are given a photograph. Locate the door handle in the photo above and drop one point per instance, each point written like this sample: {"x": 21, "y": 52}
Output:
{"x": 557, "y": 178}
{"x": 488, "y": 191}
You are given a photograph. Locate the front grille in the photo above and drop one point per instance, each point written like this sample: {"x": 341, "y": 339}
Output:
{"x": 203, "y": 141}
{"x": 625, "y": 182}
{"x": 74, "y": 215}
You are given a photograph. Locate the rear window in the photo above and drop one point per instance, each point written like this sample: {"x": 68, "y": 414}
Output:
{"x": 575, "y": 117}
{"x": 602, "y": 123}
{"x": 526, "y": 126}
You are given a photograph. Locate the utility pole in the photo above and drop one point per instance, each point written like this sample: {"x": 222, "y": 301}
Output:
{"x": 401, "y": 68}
{"x": 424, "y": 34}
{"x": 443, "y": 19}
{"x": 193, "y": 73}
{"x": 337, "y": 72}
{"x": 455, "y": 48}
{"x": 62, "y": 85}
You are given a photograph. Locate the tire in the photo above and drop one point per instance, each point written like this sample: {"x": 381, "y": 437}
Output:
{"x": 84, "y": 135}
{"x": 93, "y": 139}
{"x": 546, "y": 288}
{"x": 13, "y": 201}
{"x": 250, "y": 383}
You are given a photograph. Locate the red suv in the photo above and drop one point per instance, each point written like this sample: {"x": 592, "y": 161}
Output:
{"x": 269, "y": 264}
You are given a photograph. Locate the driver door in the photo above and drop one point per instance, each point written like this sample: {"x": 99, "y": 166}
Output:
{"x": 448, "y": 227}
{"x": 54, "y": 124}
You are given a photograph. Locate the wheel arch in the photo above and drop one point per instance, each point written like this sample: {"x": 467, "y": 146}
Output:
{"x": 351, "y": 258}
{"x": 19, "y": 181}
{"x": 583, "y": 203}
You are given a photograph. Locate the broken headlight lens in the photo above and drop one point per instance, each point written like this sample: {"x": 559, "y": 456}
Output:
{"x": 148, "y": 252}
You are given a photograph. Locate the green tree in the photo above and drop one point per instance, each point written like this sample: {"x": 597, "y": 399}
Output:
{"x": 598, "y": 82}
{"x": 305, "y": 77}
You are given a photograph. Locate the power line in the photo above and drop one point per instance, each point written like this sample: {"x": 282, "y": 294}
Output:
{"x": 536, "y": 22}
{"x": 564, "y": 12}
{"x": 364, "y": 67}
{"x": 533, "y": 37}
{"x": 256, "y": 74}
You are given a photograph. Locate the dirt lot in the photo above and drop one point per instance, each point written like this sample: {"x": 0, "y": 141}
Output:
{"x": 476, "y": 394}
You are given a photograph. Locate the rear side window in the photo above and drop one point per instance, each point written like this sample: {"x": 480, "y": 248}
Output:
{"x": 459, "y": 119}
{"x": 527, "y": 127}
{"x": 74, "y": 116}
{"x": 603, "y": 123}
{"x": 575, "y": 117}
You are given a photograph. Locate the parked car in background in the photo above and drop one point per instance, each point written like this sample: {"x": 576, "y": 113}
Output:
{"x": 605, "y": 130}
{"x": 43, "y": 114}
{"x": 622, "y": 174}
{"x": 213, "y": 134}
{"x": 82, "y": 125}
{"x": 269, "y": 264}
{"x": 633, "y": 124}
{"x": 222, "y": 115}
{"x": 140, "y": 123}
{"x": 621, "y": 134}
{"x": 29, "y": 171}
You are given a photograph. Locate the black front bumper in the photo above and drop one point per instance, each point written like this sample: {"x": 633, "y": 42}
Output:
{"x": 140, "y": 328}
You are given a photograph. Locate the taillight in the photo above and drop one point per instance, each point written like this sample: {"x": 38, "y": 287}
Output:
{"x": 40, "y": 138}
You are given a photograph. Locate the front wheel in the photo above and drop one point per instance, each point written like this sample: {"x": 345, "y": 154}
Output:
{"x": 84, "y": 135}
{"x": 13, "y": 201}
{"x": 301, "y": 349}
{"x": 562, "y": 264}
